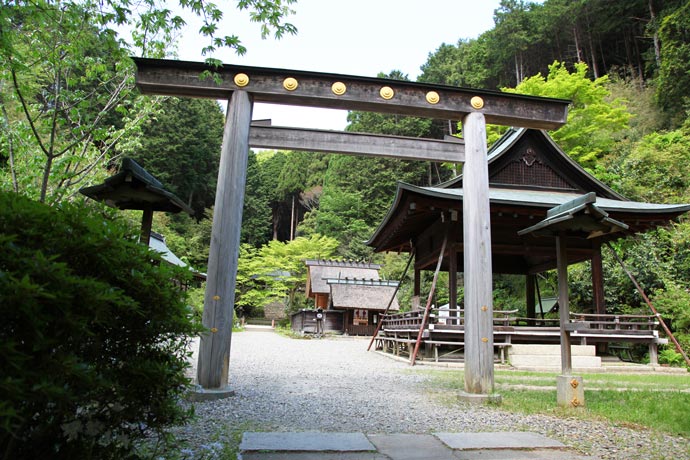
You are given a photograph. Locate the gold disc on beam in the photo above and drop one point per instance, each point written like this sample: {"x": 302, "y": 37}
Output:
{"x": 290, "y": 84}
{"x": 338, "y": 88}
{"x": 432, "y": 97}
{"x": 387, "y": 92}
{"x": 241, "y": 80}
{"x": 477, "y": 102}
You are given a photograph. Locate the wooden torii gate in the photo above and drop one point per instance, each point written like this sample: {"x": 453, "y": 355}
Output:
{"x": 242, "y": 86}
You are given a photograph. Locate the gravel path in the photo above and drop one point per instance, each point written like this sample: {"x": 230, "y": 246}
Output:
{"x": 286, "y": 384}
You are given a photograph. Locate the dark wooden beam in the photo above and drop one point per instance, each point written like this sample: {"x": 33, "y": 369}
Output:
{"x": 313, "y": 140}
{"x": 313, "y": 89}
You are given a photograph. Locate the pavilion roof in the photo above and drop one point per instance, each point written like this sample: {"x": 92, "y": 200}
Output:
{"x": 416, "y": 208}
{"x": 529, "y": 175}
{"x": 515, "y": 145}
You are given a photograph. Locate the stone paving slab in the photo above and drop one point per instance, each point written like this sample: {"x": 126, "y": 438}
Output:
{"x": 305, "y": 442}
{"x": 404, "y": 446}
{"x": 411, "y": 446}
{"x": 501, "y": 440}
{"x": 510, "y": 454}
{"x": 312, "y": 456}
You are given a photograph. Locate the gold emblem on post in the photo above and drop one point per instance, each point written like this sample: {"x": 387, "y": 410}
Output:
{"x": 387, "y": 92}
{"x": 216, "y": 297}
{"x": 477, "y": 102}
{"x": 338, "y": 88}
{"x": 290, "y": 84}
{"x": 432, "y": 97}
{"x": 241, "y": 79}
{"x": 484, "y": 339}
{"x": 485, "y": 308}
{"x": 214, "y": 329}
{"x": 574, "y": 383}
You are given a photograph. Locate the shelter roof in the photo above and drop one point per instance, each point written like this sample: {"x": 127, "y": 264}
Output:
{"x": 135, "y": 188}
{"x": 580, "y": 215}
{"x": 158, "y": 244}
{"x": 321, "y": 270}
{"x": 363, "y": 294}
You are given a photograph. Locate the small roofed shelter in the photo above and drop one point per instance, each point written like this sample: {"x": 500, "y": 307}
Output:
{"x": 132, "y": 187}
{"x": 320, "y": 270}
{"x": 355, "y": 288}
{"x": 363, "y": 301}
{"x": 158, "y": 244}
{"x": 529, "y": 175}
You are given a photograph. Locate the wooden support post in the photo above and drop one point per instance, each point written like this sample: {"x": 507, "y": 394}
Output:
{"x": 563, "y": 303}
{"x": 598, "y": 280}
{"x": 530, "y": 297}
{"x": 417, "y": 288}
{"x": 479, "y": 342}
{"x": 427, "y": 308}
{"x": 214, "y": 352}
{"x": 453, "y": 314}
{"x": 146, "y": 224}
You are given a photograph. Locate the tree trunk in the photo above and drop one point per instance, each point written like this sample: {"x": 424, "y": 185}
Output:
{"x": 578, "y": 50}
{"x": 292, "y": 219}
{"x": 657, "y": 44}
{"x": 593, "y": 57}
{"x": 10, "y": 145}
{"x": 276, "y": 218}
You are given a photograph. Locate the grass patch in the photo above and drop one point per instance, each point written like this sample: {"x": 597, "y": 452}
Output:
{"x": 659, "y": 402}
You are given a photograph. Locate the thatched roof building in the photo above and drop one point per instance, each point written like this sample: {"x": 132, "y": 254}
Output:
{"x": 363, "y": 294}
{"x": 355, "y": 288}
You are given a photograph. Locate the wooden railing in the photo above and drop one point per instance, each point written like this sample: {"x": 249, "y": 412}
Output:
{"x": 627, "y": 323}
{"x": 640, "y": 324}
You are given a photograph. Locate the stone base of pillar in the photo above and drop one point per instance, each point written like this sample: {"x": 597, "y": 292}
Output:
{"x": 473, "y": 398}
{"x": 570, "y": 391}
{"x": 200, "y": 394}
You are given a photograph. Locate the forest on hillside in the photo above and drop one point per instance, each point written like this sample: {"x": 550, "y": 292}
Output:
{"x": 70, "y": 113}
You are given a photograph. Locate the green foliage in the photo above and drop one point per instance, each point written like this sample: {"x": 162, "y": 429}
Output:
{"x": 671, "y": 357}
{"x": 655, "y": 401}
{"x": 67, "y": 97}
{"x": 594, "y": 122}
{"x": 180, "y": 146}
{"x": 674, "y": 78}
{"x": 187, "y": 238}
{"x": 256, "y": 213}
{"x": 465, "y": 64}
{"x": 276, "y": 271}
{"x": 65, "y": 87}
{"x": 94, "y": 338}
{"x": 651, "y": 172}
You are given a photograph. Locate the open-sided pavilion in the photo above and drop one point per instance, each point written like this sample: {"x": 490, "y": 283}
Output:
{"x": 546, "y": 213}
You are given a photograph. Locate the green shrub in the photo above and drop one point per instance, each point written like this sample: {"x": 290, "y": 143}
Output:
{"x": 671, "y": 357}
{"x": 93, "y": 338}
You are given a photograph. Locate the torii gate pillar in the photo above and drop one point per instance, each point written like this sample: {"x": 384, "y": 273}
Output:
{"x": 479, "y": 346}
{"x": 219, "y": 300}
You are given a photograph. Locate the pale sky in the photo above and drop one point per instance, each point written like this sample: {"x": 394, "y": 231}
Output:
{"x": 353, "y": 37}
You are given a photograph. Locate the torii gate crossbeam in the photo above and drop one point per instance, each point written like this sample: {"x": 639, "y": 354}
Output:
{"x": 243, "y": 85}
